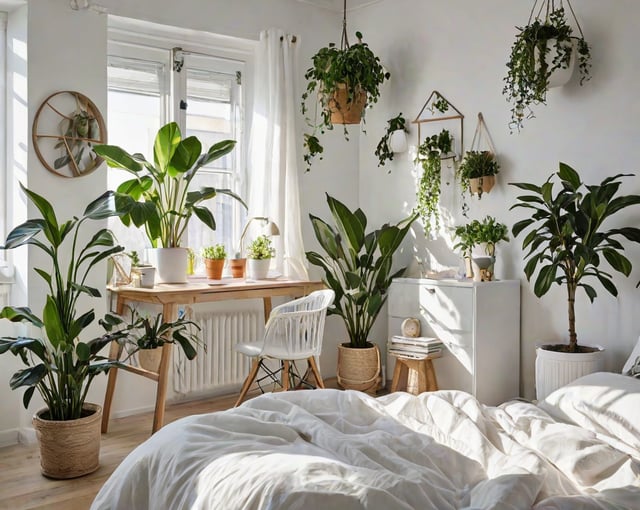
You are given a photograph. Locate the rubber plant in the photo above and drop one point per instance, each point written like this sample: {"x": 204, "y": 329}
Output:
{"x": 383, "y": 151}
{"x": 567, "y": 240}
{"x": 429, "y": 156}
{"x": 354, "y": 67}
{"x": 357, "y": 265}
{"x": 529, "y": 66}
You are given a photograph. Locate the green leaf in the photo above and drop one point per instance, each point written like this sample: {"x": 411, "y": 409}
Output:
{"x": 545, "y": 279}
{"x": 29, "y": 376}
{"x": 50, "y": 229}
{"x": 118, "y": 158}
{"x": 28, "y": 394}
{"x": 165, "y": 145}
{"x": 348, "y": 224}
{"x": 216, "y": 151}
{"x": 102, "y": 207}
{"x": 607, "y": 284}
{"x": 23, "y": 233}
{"x": 205, "y": 216}
{"x": 591, "y": 292}
{"x": 569, "y": 175}
{"x": 20, "y": 314}
{"x": 617, "y": 261}
{"x": 326, "y": 236}
{"x": 52, "y": 325}
{"x": 186, "y": 154}
{"x": 83, "y": 352}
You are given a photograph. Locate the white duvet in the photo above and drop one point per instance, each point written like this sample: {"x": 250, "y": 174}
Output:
{"x": 342, "y": 450}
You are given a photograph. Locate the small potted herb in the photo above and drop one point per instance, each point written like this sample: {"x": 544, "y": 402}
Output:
{"x": 259, "y": 255}
{"x": 477, "y": 241}
{"x": 393, "y": 141}
{"x": 142, "y": 275}
{"x": 214, "y": 257}
{"x": 346, "y": 80}
{"x": 431, "y": 152}
{"x": 542, "y": 49}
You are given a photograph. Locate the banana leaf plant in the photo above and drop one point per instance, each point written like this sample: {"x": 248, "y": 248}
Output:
{"x": 159, "y": 196}
{"x": 60, "y": 366}
{"x": 567, "y": 242}
{"x": 357, "y": 266}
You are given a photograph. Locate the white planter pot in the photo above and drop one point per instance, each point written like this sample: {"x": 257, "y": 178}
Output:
{"x": 171, "y": 264}
{"x": 257, "y": 269}
{"x": 559, "y": 77}
{"x": 557, "y": 369}
{"x": 482, "y": 263}
{"x": 147, "y": 276}
{"x": 398, "y": 141}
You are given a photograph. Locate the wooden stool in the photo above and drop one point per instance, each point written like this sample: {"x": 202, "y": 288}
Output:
{"x": 414, "y": 376}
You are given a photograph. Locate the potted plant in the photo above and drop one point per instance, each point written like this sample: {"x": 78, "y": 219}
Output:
{"x": 543, "y": 48}
{"x": 477, "y": 172}
{"x": 148, "y": 336}
{"x": 214, "y": 257}
{"x": 346, "y": 80}
{"x": 159, "y": 195}
{"x": 142, "y": 275}
{"x": 567, "y": 243}
{"x": 466, "y": 240}
{"x": 393, "y": 141}
{"x": 259, "y": 255}
{"x": 429, "y": 157}
{"x": 60, "y": 365}
{"x": 477, "y": 241}
{"x": 357, "y": 267}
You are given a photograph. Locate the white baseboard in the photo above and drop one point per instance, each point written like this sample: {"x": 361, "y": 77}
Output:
{"x": 8, "y": 437}
{"x": 27, "y": 435}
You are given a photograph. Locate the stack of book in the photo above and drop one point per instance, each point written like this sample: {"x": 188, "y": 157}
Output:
{"x": 415, "y": 347}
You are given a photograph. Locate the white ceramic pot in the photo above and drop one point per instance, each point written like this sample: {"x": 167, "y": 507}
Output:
{"x": 398, "y": 141}
{"x": 557, "y": 369}
{"x": 561, "y": 76}
{"x": 171, "y": 264}
{"x": 483, "y": 263}
{"x": 257, "y": 269}
{"x": 147, "y": 276}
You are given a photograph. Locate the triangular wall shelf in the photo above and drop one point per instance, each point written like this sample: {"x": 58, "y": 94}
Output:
{"x": 436, "y": 109}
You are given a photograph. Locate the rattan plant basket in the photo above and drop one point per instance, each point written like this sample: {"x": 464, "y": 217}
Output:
{"x": 359, "y": 369}
{"x": 70, "y": 448}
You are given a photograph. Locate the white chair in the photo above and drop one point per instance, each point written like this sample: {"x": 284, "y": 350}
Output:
{"x": 293, "y": 332}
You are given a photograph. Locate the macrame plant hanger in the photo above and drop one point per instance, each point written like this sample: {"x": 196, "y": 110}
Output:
{"x": 344, "y": 40}
{"x": 484, "y": 184}
{"x": 549, "y": 6}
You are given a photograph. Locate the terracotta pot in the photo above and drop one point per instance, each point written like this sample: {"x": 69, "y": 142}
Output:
{"x": 214, "y": 268}
{"x": 343, "y": 112}
{"x": 238, "y": 267}
{"x": 359, "y": 369}
{"x": 69, "y": 448}
{"x": 149, "y": 359}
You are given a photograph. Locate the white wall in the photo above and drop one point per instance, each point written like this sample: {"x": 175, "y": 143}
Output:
{"x": 460, "y": 48}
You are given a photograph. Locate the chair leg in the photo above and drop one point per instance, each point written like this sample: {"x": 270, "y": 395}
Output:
{"x": 285, "y": 375}
{"x": 248, "y": 382}
{"x": 316, "y": 372}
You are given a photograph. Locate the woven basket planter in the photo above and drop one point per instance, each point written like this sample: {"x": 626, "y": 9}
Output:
{"x": 149, "y": 359}
{"x": 359, "y": 369}
{"x": 343, "y": 112}
{"x": 70, "y": 448}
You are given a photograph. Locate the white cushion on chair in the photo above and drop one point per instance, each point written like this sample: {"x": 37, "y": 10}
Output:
{"x": 251, "y": 349}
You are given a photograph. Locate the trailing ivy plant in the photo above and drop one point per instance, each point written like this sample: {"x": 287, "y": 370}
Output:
{"x": 355, "y": 67}
{"x": 429, "y": 157}
{"x": 529, "y": 68}
{"x": 383, "y": 151}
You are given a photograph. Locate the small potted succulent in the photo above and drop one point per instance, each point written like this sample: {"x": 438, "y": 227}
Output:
{"x": 259, "y": 255}
{"x": 346, "y": 80}
{"x": 477, "y": 172}
{"x": 214, "y": 257}
{"x": 543, "y": 50}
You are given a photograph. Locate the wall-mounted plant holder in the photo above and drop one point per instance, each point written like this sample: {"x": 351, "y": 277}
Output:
{"x": 439, "y": 109}
{"x": 394, "y": 140}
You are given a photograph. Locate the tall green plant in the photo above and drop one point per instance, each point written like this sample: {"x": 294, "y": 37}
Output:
{"x": 357, "y": 265}
{"x": 567, "y": 240}
{"x": 159, "y": 196}
{"x": 60, "y": 366}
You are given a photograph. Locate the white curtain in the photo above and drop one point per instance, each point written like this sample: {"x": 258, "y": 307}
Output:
{"x": 273, "y": 161}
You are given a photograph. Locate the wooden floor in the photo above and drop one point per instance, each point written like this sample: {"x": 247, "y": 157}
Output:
{"x": 22, "y": 487}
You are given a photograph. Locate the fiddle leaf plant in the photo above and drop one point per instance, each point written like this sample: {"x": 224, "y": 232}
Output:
{"x": 159, "y": 197}
{"x": 567, "y": 240}
{"x": 357, "y": 265}
{"x": 429, "y": 157}
{"x": 60, "y": 365}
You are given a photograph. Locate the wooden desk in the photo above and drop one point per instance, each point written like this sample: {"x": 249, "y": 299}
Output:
{"x": 172, "y": 295}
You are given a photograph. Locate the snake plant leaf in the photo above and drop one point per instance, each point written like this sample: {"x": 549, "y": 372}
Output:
{"x": 185, "y": 156}
{"x": 20, "y": 314}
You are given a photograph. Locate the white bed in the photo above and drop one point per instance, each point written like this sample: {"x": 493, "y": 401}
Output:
{"x": 344, "y": 450}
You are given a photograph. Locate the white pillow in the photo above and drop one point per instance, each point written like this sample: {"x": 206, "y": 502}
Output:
{"x": 635, "y": 354}
{"x": 603, "y": 402}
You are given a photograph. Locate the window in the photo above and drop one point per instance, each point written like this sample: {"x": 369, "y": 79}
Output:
{"x": 148, "y": 87}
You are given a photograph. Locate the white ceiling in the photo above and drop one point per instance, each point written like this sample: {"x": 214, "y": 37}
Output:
{"x": 337, "y": 5}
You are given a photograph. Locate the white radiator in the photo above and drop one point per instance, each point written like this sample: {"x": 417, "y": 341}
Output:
{"x": 219, "y": 366}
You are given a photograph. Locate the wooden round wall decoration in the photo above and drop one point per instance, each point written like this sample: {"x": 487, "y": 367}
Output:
{"x": 65, "y": 128}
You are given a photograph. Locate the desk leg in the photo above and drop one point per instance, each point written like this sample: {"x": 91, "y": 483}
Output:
{"x": 266, "y": 303}
{"x": 114, "y": 353}
{"x": 169, "y": 312}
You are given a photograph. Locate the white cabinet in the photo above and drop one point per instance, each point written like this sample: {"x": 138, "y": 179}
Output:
{"x": 479, "y": 324}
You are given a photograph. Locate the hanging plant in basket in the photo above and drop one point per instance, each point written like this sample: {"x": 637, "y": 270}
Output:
{"x": 546, "y": 45}
{"x": 386, "y": 149}
{"x": 477, "y": 172}
{"x": 430, "y": 154}
{"x": 346, "y": 80}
